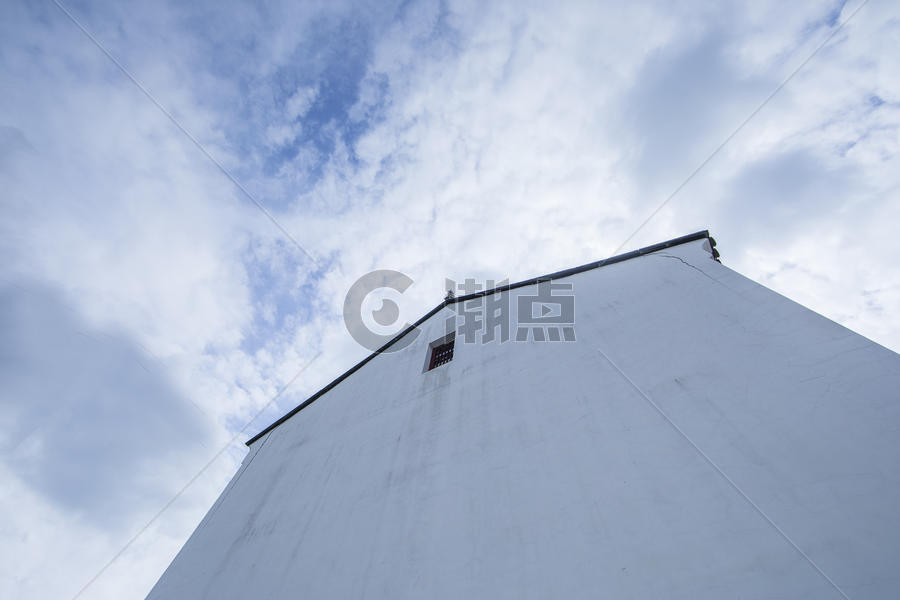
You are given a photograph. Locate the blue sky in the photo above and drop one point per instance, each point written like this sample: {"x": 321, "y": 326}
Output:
{"x": 149, "y": 308}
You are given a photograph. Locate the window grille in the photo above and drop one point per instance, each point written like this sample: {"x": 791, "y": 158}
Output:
{"x": 441, "y": 355}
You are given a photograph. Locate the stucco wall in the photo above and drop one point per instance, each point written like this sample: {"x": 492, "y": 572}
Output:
{"x": 546, "y": 470}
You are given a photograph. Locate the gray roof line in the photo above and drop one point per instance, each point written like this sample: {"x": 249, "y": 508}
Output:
{"x": 558, "y": 274}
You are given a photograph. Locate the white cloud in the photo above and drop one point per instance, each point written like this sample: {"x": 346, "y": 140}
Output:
{"x": 441, "y": 140}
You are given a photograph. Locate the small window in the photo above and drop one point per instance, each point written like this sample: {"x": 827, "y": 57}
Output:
{"x": 441, "y": 354}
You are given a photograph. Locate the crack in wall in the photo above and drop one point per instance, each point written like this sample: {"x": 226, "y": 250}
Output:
{"x": 705, "y": 274}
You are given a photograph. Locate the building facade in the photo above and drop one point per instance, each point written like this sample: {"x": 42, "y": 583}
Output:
{"x": 696, "y": 435}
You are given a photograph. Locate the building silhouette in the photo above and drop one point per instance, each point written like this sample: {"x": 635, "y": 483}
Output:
{"x": 684, "y": 433}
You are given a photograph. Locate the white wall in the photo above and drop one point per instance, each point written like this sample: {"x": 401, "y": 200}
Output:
{"x": 536, "y": 470}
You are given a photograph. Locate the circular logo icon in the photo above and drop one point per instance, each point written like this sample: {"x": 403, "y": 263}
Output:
{"x": 371, "y": 310}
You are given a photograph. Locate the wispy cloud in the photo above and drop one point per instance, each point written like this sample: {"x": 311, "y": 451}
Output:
{"x": 435, "y": 138}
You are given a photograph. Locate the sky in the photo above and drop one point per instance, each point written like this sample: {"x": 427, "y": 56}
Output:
{"x": 178, "y": 230}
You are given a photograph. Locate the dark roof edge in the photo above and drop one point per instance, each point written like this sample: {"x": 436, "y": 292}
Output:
{"x": 558, "y": 274}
